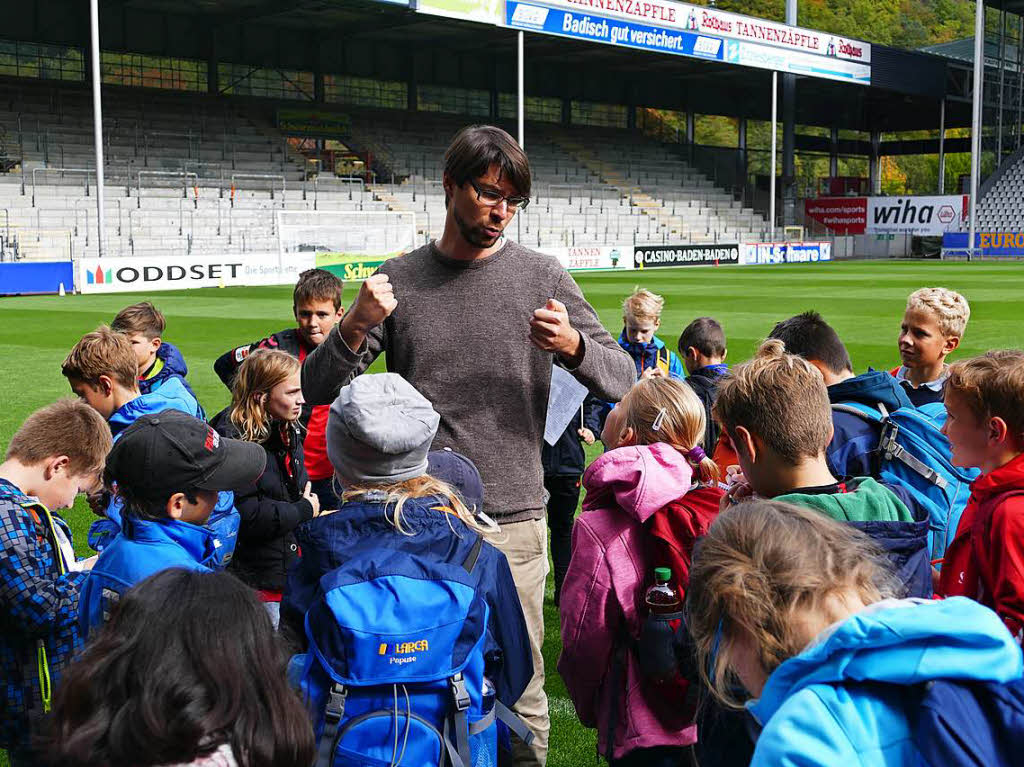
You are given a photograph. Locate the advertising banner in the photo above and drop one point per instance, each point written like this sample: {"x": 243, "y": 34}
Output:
{"x": 689, "y": 30}
{"x": 122, "y": 275}
{"x": 584, "y": 258}
{"x": 312, "y": 122}
{"x": 990, "y": 244}
{"x": 696, "y": 18}
{"x": 923, "y": 216}
{"x": 648, "y": 256}
{"x": 351, "y": 266}
{"x": 486, "y": 11}
{"x": 601, "y": 29}
{"x": 785, "y": 252}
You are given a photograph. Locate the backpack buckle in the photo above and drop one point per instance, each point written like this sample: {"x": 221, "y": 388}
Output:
{"x": 336, "y": 704}
{"x": 459, "y": 692}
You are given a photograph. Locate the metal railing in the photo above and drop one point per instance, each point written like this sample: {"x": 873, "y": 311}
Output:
{"x": 182, "y": 174}
{"x": 62, "y": 171}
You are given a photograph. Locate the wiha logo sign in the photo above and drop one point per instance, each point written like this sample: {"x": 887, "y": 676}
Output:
{"x": 928, "y": 216}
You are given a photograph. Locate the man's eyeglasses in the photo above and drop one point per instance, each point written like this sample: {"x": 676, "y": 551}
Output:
{"x": 493, "y": 198}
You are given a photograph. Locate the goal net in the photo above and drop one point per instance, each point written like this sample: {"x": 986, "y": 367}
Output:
{"x": 352, "y": 244}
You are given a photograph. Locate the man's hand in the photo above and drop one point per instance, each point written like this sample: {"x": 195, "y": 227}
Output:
{"x": 587, "y": 436}
{"x": 738, "y": 488}
{"x": 550, "y": 331}
{"x": 373, "y": 305}
{"x": 654, "y": 372}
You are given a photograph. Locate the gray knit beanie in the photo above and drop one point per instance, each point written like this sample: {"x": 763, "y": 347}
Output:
{"x": 379, "y": 431}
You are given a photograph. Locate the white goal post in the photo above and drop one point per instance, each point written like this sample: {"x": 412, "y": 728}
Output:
{"x": 352, "y": 244}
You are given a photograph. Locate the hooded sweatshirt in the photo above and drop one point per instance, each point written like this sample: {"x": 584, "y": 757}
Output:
{"x": 985, "y": 561}
{"x": 603, "y": 592}
{"x": 896, "y": 524}
{"x": 851, "y": 697}
{"x": 851, "y": 452}
{"x": 168, "y": 365}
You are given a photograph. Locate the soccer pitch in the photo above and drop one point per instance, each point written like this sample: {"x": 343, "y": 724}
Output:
{"x": 864, "y": 301}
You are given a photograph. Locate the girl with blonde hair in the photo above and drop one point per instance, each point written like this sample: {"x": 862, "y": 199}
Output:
{"x": 379, "y": 435}
{"x": 647, "y": 501}
{"x": 266, "y": 402}
{"x": 798, "y": 611}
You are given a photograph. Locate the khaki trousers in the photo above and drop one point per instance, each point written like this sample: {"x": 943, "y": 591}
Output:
{"x": 525, "y": 545}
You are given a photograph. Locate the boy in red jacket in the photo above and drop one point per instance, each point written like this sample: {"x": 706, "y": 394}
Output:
{"x": 985, "y": 400}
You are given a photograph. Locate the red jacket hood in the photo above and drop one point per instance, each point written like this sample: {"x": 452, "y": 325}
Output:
{"x": 639, "y": 479}
{"x": 1005, "y": 479}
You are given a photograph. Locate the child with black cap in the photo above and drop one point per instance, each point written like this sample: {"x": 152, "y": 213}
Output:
{"x": 378, "y": 439}
{"x": 168, "y": 468}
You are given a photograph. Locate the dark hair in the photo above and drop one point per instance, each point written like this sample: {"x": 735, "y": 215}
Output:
{"x": 705, "y": 335}
{"x": 189, "y": 661}
{"x": 317, "y": 285}
{"x": 138, "y": 505}
{"x": 808, "y": 335}
{"x": 477, "y": 148}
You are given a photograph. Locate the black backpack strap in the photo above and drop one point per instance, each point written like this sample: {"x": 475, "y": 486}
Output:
{"x": 474, "y": 554}
{"x": 333, "y": 715}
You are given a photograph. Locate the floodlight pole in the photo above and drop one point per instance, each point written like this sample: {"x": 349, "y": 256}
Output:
{"x": 942, "y": 146}
{"x": 520, "y": 92}
{"x": 976, "y": 96}
{"x": 775, "y": 120}
{"x": 97, "y": 118}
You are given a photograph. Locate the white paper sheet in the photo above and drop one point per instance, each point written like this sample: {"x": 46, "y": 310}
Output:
{"x": 564, "y": 402}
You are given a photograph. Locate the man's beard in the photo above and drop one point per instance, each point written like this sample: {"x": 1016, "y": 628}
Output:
{"x": 473, "y": 234}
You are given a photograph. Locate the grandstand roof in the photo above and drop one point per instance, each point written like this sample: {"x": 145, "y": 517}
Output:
{"x": 390, "y": 41}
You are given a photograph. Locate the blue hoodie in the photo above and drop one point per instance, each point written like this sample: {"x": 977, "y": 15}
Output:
{"x": 144, "y": 548}
{"x": 168, "y": 366}
{"x": 851, "y": 697}
{"x": 850, "y": 452}
{"x": 646, "y": 356}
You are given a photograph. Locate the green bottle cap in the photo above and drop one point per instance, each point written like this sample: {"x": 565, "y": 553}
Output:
{"x": 662, "y": 574}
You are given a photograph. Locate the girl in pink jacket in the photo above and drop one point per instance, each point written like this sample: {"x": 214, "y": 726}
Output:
{"x": 654, "y": 481}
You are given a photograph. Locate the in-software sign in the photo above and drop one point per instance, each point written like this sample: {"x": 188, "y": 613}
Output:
{"x": 120, "y": 275}
{"x": 647, "y": 256}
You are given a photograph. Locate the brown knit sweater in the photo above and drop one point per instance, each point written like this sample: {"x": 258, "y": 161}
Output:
{"x": 460, "y": 335}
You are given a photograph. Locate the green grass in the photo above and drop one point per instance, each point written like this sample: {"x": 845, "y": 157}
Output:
{"x": 863, "y": 301}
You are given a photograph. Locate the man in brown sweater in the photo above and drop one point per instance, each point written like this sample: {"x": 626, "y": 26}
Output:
{"x": 474, "y": 322}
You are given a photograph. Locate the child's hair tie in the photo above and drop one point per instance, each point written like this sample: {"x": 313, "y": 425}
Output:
{"x": 696, "y": 454}
{"x": 659, "y": 419}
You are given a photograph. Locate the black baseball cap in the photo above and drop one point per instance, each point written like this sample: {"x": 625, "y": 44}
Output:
{"x": 459, "y": 472}
{"x": 171, "y": 452}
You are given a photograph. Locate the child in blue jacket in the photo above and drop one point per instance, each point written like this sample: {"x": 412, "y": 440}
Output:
{"x": 801, "y": 609}
{"x": 641, "y": 318}
{"x": 378, "y": 437}
{"x": 168, "y": 469}
{"x": 159, "y": 361}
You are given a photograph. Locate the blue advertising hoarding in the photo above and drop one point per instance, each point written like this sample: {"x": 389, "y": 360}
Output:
{"x": 587, "y": 26}
{"x": 988, "y": 244}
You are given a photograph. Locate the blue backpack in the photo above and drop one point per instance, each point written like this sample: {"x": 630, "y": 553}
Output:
{"x": 971, "y": 724}
{"x": 913, "y": 453}
{"x": 394, "y": 674}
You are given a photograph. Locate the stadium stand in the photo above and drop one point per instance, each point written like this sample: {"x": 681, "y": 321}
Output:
{"x": 189, "y": 173}
{"x": 999, "y": 203}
